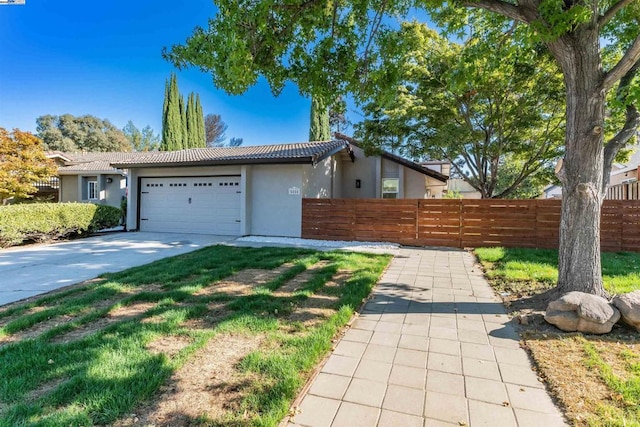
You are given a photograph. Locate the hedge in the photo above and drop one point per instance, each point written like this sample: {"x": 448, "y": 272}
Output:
{"x": 37, "y": 222}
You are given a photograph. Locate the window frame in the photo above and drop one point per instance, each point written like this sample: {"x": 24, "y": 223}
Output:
{"x": 94, "y": 184}
{"x": 386, "y": 194}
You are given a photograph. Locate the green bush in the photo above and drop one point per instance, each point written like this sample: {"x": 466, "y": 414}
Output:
{"x": 49, "y": 221}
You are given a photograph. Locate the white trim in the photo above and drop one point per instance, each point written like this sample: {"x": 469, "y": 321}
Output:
{"x": 95, "y": 190}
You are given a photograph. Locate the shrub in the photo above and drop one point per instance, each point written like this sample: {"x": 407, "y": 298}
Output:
{"x": 50, "y": 221}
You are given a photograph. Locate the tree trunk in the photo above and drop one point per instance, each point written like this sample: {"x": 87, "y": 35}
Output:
{"x": 582, "y": 170}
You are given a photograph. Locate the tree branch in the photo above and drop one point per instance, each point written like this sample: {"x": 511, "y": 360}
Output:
{"x": 628, "y": 61}
{"x": 502, "y": 7}
{"x": 613, "y": 146}
{"x": 611, "y": 12}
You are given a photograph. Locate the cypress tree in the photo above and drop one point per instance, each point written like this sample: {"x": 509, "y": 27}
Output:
{"x": 164, "y": 145}
{"x": 182, "y": 124}
{"x": 190, "y": 122}
{"x": 172, "y": 131}
{"x": 319, "y": 127}
{"x": 183, "y": 142}
{"x": 201, "y": 138}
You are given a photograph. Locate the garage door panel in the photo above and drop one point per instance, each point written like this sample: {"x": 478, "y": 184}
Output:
{"x": 208, "y": 205}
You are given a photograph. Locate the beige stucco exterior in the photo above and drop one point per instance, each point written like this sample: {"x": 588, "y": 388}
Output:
{"x": 74, "y": 188}
{"x": 275, "y": 196}
{"x": 272, "y": 193}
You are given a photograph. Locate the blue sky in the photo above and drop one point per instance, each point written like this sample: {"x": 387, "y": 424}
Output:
{"x": 103, "y": 59}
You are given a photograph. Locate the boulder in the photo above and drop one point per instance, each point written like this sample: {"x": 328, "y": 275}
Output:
{"x": 629, "y": 306}
{"x": 582, "y": 312}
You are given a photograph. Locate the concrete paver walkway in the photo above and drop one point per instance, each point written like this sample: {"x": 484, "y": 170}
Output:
{"x": 433, "y": 347}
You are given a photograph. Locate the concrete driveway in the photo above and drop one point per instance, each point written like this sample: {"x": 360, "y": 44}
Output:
{"x": 33, "y": 270}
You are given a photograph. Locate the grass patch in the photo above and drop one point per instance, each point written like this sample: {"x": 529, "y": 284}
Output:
{"x": 101, "y": 376}
{"x": 595, "y": 378}
{"x": 526, "y": 271}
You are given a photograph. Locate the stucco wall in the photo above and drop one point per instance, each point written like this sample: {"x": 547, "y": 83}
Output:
{"x": 73, "y": 188}
{"x": 414, "y": 184}
{"x": 338, "y": 179}
{"x": 274, "y": 211}
{"x": 317, "y": 180}
{"x": 69, "y": 188}
{"x": 114, "y": 190}
{"x": 364, "y": 169}
{"x": 436, "y": 188}
{"x": 620, "y": 177}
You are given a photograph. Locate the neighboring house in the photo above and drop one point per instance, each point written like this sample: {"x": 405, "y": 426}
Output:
{"x": 90, "y": 178}
{"x": 258, "y": 190}
{"x": 553, "y": 191}
{"x": 462, "y": 187}
{"x": 626, "y": 173}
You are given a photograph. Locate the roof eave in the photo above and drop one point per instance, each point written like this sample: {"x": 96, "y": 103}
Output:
{"x": 231, "y": 162}
{"x": 400, "y": 160}
{"x": 323, "y": 156}
{"x": 92, "y": 172}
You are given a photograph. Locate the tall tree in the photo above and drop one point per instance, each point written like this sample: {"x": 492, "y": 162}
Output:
{"x": 192, "y": 122}
{"x": 319, "y": 121}
{"x": 184, "y": 142}
{"x": 215, "y": 130}
{"x": 200, "y": 123}
{"x": 165, "y": 134}
{"x": 83, "y": 133}
{"x": 144, "y": 140}
{"x": 173, "y": 130}
{"x": 22, "y": 164}
{"x": 509, "y": 104}
{"x": 328, "y": 48}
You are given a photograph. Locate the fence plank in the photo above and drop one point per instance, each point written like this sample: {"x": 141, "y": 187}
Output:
{"x": 462, "y": 223}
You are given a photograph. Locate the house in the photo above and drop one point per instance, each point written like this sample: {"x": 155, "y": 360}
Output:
{"x": 552, "y": 191}
{"x": 626, "y": 173}
{"x": 464, "y": 189}
{"x": 255, "y": 190}
{"x": 90, "y": 178}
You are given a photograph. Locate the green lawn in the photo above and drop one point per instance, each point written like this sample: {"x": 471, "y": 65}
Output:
{"x": 100, "y": 377}
{"x": 526, "y": 270}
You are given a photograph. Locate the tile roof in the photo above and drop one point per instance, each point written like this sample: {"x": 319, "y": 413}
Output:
{"x": 96, "y": 166}
{"x": 307, "y": 152}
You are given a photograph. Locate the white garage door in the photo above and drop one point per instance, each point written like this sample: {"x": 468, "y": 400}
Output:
{"x": 208, "y": 205}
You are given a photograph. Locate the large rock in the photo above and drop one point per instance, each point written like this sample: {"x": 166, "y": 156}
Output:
{"x": 629, "y": 306}
{"x": 582, "y": 312}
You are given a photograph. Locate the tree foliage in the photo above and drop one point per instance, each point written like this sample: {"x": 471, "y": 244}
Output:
{"x": 22, "y": 164}
{"x": 319, "y": 121}
{"x": 235, "y": 142}
{"x": 475, "y": 104}
{"x": 83, "y": 133}
{"x": 199, "y": 130}
{"x": 182, "y": 123}
{"x": 172, "y": 120}
{"x": 215, "y": 129}
{"x": 338, "y": 121}
{"x": 330, "y": 48}
{"x": 141, "y": 140}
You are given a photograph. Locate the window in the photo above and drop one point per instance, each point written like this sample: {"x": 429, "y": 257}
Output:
{"x": 92, "y": 190}
{"x": 390, "y": 188}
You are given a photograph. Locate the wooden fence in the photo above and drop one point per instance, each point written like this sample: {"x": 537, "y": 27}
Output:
{"x": 630, "y": 191}
{"x": 462, "y": 223}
